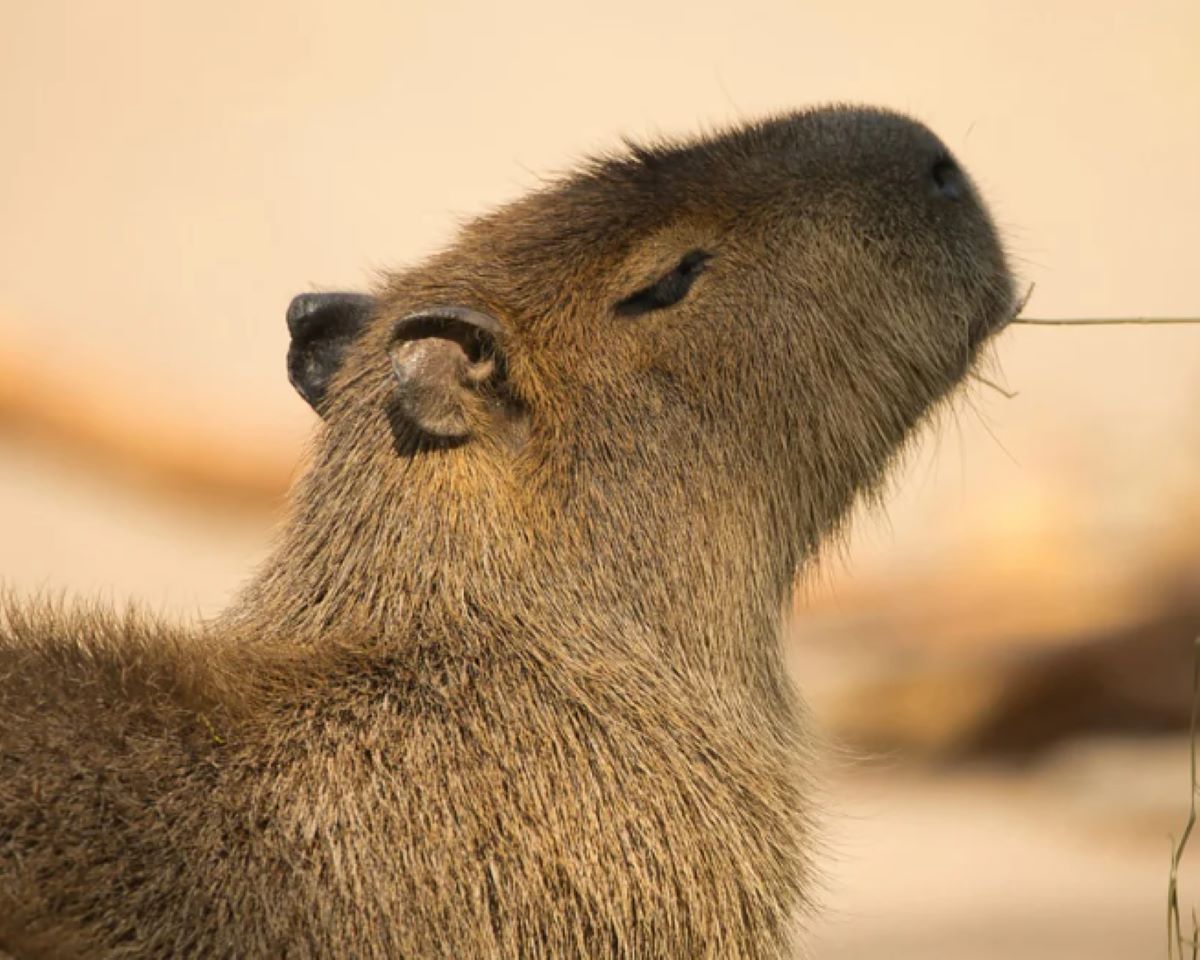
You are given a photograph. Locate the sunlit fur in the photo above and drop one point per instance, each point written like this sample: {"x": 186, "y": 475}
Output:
{"x": 521, "y": 696}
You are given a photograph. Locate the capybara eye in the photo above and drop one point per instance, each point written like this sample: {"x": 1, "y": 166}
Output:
{"x": 669, "y": 289}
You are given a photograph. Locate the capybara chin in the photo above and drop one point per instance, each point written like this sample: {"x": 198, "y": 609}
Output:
{"x": 510, "y": 685}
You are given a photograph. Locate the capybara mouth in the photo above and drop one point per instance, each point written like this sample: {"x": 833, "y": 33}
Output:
{"x": 995, "y": 317}
{"x": 985, "y": 326}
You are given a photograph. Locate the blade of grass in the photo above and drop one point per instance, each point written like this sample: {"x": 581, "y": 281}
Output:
{"x": 1176, "y": 942}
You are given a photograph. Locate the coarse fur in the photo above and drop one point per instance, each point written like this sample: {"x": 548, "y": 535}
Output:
{"x": 522, "y": 694}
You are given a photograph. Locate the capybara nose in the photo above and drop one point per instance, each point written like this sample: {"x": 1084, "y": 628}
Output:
{"x": 947, "y": 179}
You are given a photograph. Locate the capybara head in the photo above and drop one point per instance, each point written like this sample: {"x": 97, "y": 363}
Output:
{"x": 694, "y": 347}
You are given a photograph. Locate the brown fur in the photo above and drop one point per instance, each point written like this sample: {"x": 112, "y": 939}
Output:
{"x": 522, "y": 696}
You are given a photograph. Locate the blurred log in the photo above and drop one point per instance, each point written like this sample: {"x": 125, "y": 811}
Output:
{"x": 1134, "y": 680}
{"x": 1014, "y": 702}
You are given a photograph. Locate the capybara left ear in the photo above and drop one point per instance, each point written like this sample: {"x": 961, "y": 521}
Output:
{"x": 445, "y": 359}
{"x": 322, "y": 326}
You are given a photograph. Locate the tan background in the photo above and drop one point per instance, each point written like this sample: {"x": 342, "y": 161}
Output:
{"x": 173, "y": 173}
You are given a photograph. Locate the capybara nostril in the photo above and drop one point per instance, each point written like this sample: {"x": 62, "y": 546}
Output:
{"x": 948, "y": 179}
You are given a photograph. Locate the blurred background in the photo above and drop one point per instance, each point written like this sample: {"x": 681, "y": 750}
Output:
{"x": 1001, "y": 659}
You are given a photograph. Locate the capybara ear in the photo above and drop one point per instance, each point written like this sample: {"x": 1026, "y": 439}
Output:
{"x": 322, "y": 326}
{"x": 450, "y": 370}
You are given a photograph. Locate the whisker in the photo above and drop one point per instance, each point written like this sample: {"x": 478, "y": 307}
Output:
{"x": 1009, "y": 394}
{"x": 990, "y": 432}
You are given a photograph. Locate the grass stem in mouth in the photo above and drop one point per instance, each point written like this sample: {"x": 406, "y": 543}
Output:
{"x": 1105, "y": 321}
{"x": 1089, "y": 321}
